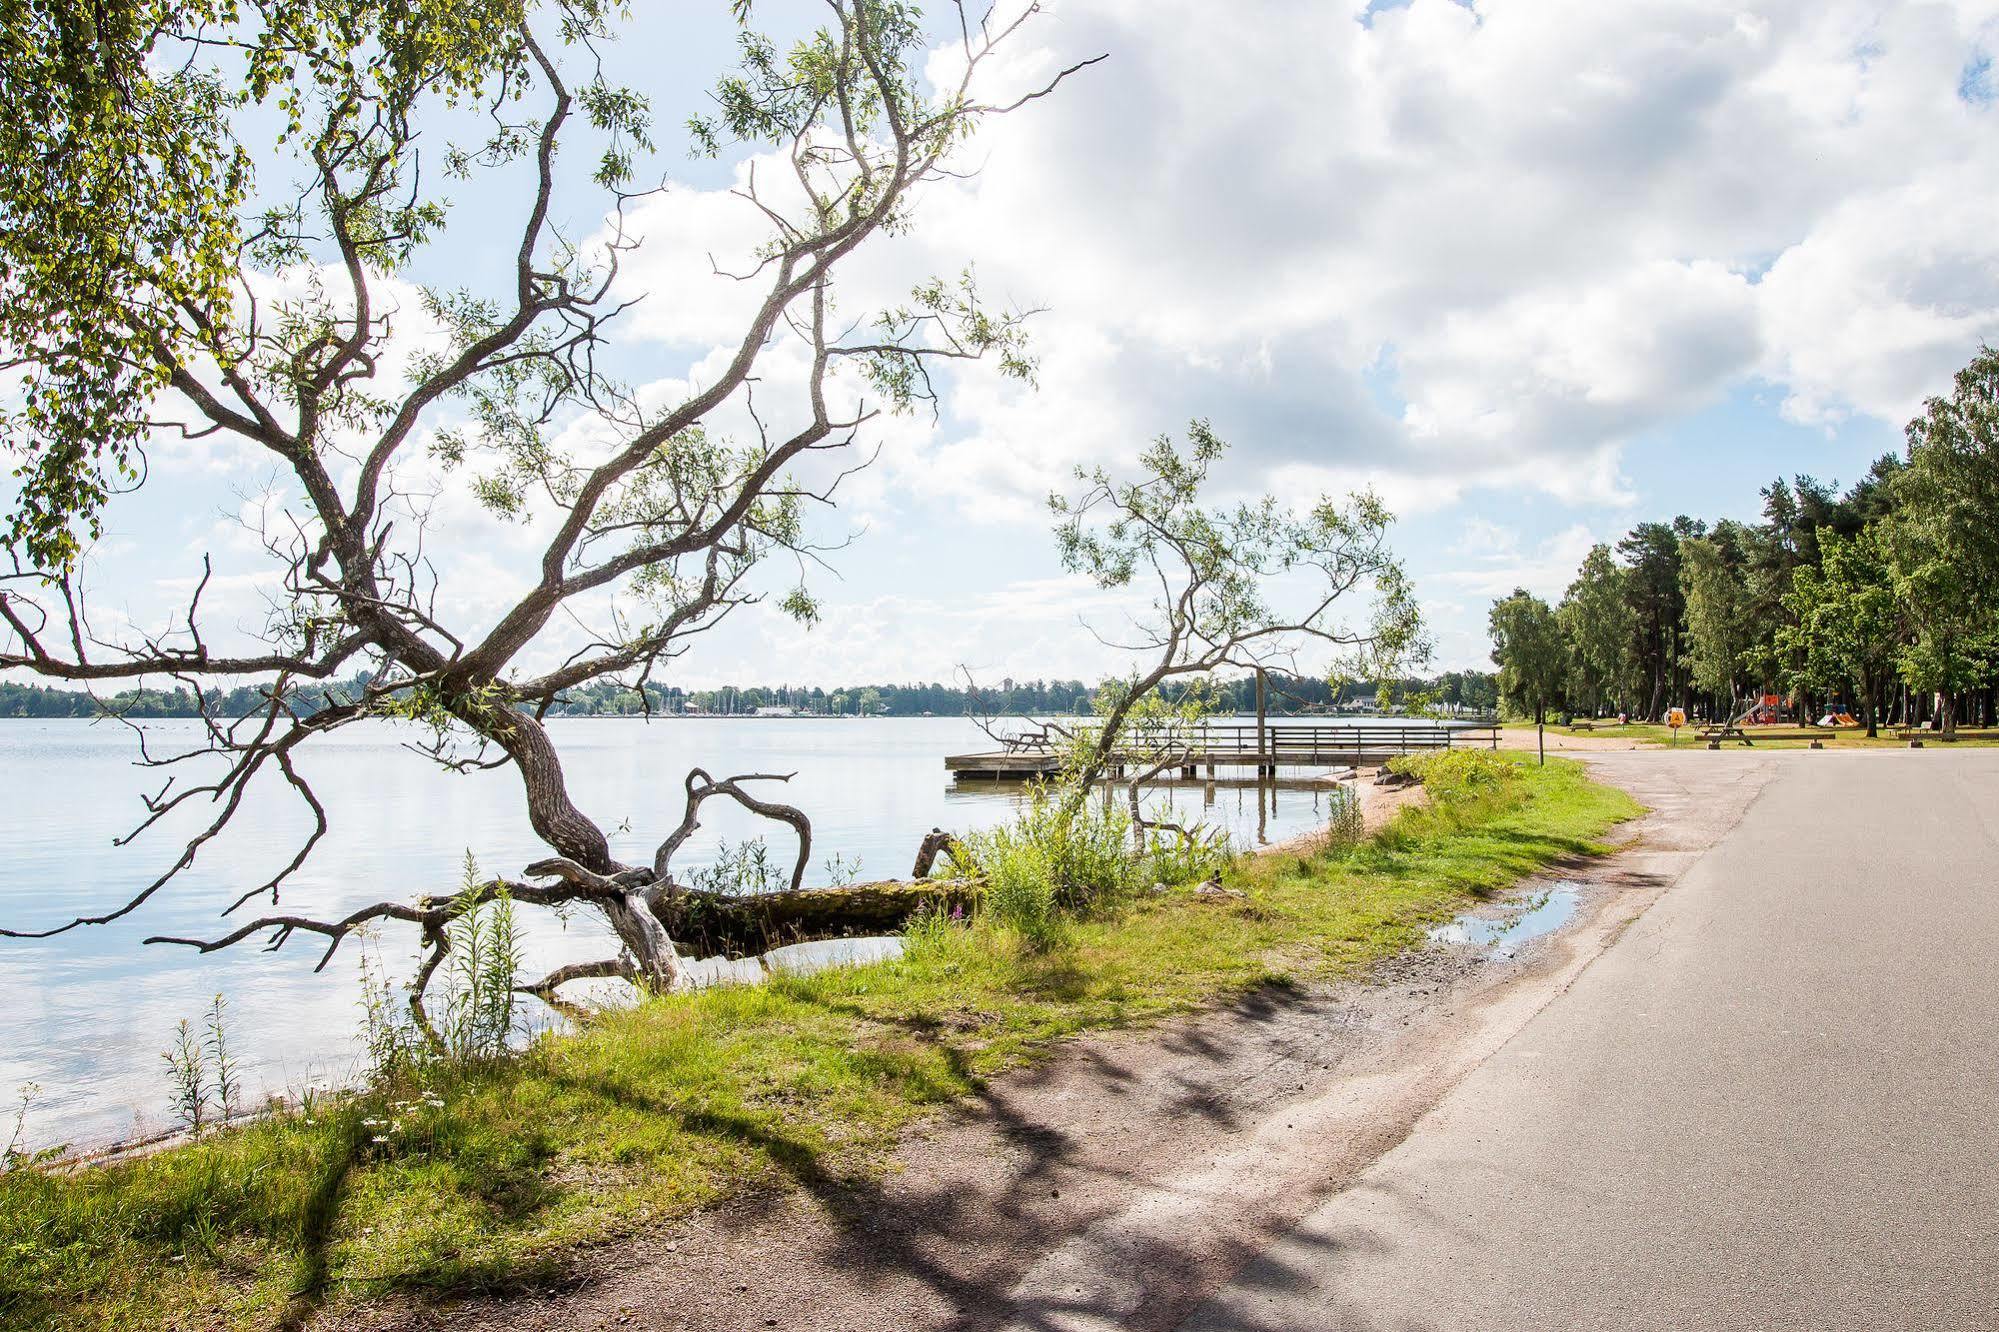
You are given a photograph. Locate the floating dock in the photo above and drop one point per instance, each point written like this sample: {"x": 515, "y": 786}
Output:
{"x": 1213, "y": 749}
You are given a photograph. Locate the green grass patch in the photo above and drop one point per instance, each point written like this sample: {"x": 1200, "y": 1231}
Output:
{"x": 495, "y": 1173}
{"x": 1773, "y": 737}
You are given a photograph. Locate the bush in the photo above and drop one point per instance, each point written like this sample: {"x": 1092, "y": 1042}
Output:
{"x": 1020, "y": 892}
{"x": 1048, "y": 859}
{"x": 1458, "y": 777}
{"x": 1346, "y": 825}
{"x": 1175, "y": 857}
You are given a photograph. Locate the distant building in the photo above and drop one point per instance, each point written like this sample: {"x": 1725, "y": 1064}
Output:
{"x": 768, "y": 711}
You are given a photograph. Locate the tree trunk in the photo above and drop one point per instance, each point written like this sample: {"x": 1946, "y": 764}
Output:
{"x": 553, "y": 816}
{"x": 715, "y": 923}
{"x": 935, "y": 843}
{"x": 644, "y": 936}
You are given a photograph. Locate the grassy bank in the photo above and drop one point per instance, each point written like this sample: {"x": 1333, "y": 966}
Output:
{"x": 491, "y": 1174}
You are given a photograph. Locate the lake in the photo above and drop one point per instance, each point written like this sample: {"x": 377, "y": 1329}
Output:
{"x": 91, "y": 1011}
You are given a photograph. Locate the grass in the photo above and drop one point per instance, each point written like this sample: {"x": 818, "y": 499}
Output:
{"x": 1775, "y": 737}
{"x": 496, "y": 1173}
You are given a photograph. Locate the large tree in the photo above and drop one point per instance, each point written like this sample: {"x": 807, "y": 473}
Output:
{"x": 1247, "y": 586}
{"x": 1598, "y": 626}
{"x": 1651, "y": 555}
{"x": 1848, "y": 628}
{"x": 1943, "y": 541}
{"x": 1718, "y": 624}
{"x": 215, "y": 218}
{"x": 1527, "y": 646}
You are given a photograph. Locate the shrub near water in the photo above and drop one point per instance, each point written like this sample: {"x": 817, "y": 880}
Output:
{"x": 1050, "y": 858}
{"x": 1464, "y": 786}
{"x": 1457, "y": 776}
{"x": 1053, "y": 858}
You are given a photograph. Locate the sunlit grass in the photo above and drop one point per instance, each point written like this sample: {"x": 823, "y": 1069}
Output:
{"x": 1775, "y": 737}
{"x": 653, "y": 1112}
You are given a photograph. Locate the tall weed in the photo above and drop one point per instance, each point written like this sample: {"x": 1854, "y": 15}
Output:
{"x": 483, "y": 966}
{"x": 215, "y": 1044}
{"x": 16, "y": 1154}
{"x": 187, "y": 1075}
{"x": 746, "y": 870}
{"x": 1346, "y": 823}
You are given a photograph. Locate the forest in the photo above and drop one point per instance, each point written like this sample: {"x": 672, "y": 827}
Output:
{"x": 1877, "y": 601}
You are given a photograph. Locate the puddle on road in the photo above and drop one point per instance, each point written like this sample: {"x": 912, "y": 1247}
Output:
{"x": 1518, "y": 923}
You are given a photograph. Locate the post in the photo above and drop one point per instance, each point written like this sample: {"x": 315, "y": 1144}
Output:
{"x": 1262, "y": 736}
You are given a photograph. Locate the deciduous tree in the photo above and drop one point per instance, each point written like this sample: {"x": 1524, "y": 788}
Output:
{"x": 1532, "y": 659}
{"x": 1247, "y": 586}
{"x": 158, "y": 272}
{"x": 1848, "y": 627}
{"x": 1597, "y": 625}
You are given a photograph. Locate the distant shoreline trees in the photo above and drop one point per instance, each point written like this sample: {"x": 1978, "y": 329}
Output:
{"x": 1882, "y": 601}
{"x": 1452, "y": 693}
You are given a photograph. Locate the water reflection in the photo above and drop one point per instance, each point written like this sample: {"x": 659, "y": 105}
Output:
{"x": 1516, "y": 924}
{"x": 1253, "y": 812}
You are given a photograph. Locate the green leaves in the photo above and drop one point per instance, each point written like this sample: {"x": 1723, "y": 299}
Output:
{"x": 126, "y": 237}
{"x": 1527, "y": 647}
{"x": 1211, "y": 569}
{"x": 118, "y": 191}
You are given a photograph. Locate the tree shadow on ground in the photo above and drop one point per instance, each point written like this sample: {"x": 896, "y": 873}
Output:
{"x": 964, "y": 1241}
{"x": 317, "y": 1219}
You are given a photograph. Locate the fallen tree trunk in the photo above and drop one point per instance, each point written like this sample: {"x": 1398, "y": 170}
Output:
{"x": 712, "y": 924}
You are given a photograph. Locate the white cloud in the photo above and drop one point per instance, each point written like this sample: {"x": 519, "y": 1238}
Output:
{"x": 1453, "y": 248}
{"x": 1500, "y": 561}
{"x": 1555, "y": 214}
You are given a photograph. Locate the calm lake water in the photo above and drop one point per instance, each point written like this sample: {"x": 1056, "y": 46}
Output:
{"x": 90, "y": 1011}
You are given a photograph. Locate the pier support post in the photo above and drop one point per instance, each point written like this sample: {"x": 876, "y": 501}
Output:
{"x": 1262, "y": 724}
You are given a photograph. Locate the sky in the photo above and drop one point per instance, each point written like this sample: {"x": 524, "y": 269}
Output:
{"x": 1534, "y": 270}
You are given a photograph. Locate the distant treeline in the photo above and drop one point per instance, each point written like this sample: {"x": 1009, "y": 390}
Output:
{"x": 26, "y": 700}
{"x": 1455, "y": 692}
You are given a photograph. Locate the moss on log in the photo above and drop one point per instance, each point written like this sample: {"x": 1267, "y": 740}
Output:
{"x": 707, "y": 924}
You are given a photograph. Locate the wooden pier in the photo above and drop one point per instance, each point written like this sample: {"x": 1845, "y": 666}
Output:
{"x": 1229, "y": 746}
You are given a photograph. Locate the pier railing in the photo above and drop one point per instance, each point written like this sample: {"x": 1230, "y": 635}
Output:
{"x": 1239, "y": 744}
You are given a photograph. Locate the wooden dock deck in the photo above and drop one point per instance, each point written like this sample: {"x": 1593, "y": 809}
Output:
{"x": 1232, "y": 746}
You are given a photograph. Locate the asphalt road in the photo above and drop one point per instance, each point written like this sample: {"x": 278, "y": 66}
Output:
{"x": 1773, "y": 1102}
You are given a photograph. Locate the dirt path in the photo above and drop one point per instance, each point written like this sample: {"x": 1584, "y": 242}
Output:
{"x": 1121, "y": 1182}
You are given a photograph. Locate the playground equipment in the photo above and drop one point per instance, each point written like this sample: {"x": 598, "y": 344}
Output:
{"x": 1767, "y": 710}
